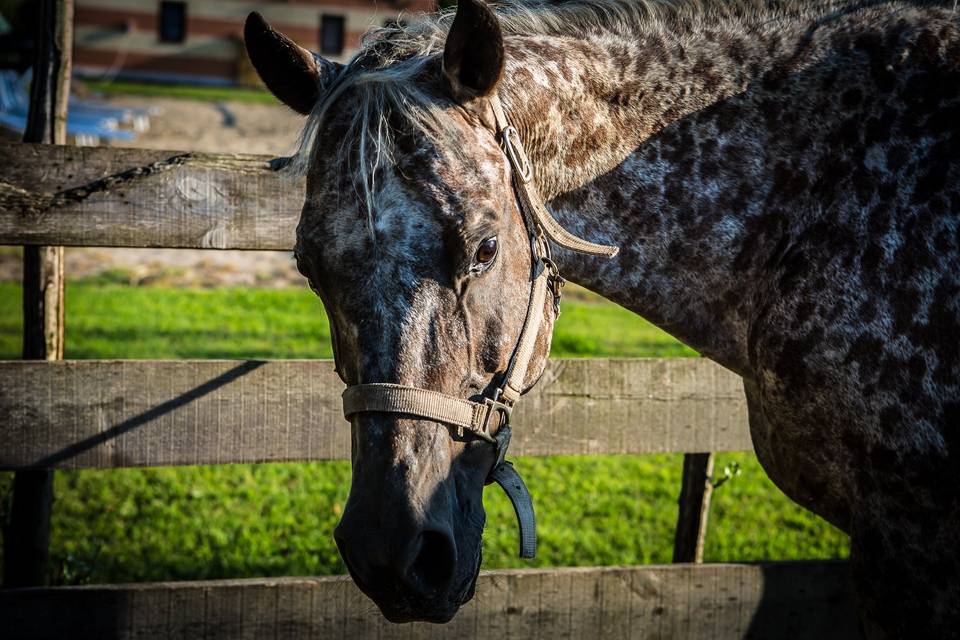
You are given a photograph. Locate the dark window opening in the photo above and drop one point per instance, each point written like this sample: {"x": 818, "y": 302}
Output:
{"x": 173, "y": 21}
{"x": 331, "y": 34}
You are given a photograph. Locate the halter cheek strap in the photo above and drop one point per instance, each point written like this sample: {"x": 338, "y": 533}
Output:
{"x": 489, "y": 419}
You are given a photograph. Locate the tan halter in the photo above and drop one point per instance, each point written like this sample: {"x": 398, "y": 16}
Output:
{"x": 490, "y": 419}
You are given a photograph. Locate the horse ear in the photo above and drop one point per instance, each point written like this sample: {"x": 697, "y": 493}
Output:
{"x": 293, "y": 74}
{"x": 473, "y": 53}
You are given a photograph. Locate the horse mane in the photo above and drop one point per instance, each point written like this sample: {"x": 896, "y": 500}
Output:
{"x": 381, "y": 74}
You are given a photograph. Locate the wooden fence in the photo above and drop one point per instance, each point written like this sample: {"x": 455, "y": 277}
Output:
{"x": 786, "y": 600}
{"x": 104, "y": 414}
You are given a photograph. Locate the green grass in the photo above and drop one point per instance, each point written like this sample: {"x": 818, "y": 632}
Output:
{"x": 277, "y": 519}
{"x": 187, "y": 92}
{"x": 106, "y": 320}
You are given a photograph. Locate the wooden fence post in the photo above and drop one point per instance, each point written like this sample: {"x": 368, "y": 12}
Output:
{"x": 694, "y": 508}
{"x": 27, "y": 537}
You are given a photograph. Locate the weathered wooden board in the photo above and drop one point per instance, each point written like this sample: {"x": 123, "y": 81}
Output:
{"x": 790, "y": 600}
{"x": 142, "y": 413}
{"x": 89, "y": 196}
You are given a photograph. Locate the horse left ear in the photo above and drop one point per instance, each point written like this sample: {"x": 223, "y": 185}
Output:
{"x": 473, "y": 53}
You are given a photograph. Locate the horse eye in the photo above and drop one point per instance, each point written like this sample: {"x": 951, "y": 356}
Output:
{"x": 487, "y": 251}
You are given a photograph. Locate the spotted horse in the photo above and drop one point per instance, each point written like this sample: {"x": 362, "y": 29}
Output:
{"x": 782, "y": 181}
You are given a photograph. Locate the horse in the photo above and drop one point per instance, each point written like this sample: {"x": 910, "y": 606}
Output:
{"x": 780, "y": 183}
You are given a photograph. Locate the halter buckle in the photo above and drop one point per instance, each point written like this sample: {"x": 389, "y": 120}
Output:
{"x": 510, "y": 138}
{"x": 555, "y": 282}
{"x": 495, "y": 406}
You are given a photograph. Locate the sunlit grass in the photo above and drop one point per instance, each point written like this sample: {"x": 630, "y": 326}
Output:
{"x": 187, "y": 92}
{"x": 115, "y": 321}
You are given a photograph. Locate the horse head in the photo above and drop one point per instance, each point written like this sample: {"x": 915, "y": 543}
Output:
{"x": 413, "y": 238}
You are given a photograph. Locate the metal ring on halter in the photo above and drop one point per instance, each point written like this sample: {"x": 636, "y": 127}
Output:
{"x": 514, "y": 150}
{"x": 495, "y": 406}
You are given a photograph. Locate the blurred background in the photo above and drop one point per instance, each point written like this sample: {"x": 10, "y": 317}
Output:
{"x": 197, "y": 41}
{"x": 173, "y": 75}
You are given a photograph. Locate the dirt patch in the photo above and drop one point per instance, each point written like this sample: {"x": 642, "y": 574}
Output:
{"x": 216, "y": 127}
{"x": 186, "y": 125}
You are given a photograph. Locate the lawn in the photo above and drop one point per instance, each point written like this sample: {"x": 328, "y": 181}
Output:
{"x": 183, "y": 91}
{"x": 276, "y": 519}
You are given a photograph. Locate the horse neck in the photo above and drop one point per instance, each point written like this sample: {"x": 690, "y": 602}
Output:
{"x": 613, "y": 126}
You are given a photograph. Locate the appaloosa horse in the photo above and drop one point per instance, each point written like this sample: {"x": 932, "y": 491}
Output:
{"x": 783, "y": 182}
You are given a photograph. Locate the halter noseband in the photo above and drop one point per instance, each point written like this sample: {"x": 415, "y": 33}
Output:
{"x": 489, "y": 419}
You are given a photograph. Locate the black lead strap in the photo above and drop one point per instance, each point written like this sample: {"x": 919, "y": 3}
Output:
{"x": 512, "y": 484}
{"x": 505, "y": 475}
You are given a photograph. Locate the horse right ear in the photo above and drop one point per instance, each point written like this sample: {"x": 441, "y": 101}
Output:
{"x": 293, "y": 74}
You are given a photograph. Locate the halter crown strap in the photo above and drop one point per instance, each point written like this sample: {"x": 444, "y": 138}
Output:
{"x": 529, "y": 198}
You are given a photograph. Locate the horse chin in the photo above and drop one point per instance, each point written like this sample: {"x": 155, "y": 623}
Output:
{"x": 400, "y": 609}
{"x": 401, "y": 617}
{"x": 437, "y": 612}
{"x": 471, "y": 589}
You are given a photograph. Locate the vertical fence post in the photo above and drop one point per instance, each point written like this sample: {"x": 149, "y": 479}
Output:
{"x": 27, "y": 537}
{"x": 694, "y": 508}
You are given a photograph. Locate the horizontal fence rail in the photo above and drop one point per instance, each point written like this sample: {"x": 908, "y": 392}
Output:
{"x": 128, "y": 413}
{"x": 781, "y": 600}
{"x": 88, "y": 196}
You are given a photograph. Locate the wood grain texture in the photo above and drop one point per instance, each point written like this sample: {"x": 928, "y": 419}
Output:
{"x": 90, "y": 196}
{"x": 786, "y": 600}
{"x": 131, "y": 413}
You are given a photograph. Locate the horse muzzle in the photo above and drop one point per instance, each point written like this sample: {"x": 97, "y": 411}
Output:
{"x": 411, "y": 530}
{"x": 417, "y": 582}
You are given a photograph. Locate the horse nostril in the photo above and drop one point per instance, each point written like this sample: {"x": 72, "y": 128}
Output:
{"x": 435, "y": 562}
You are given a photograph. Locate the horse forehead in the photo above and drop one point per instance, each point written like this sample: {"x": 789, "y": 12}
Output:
{"x": 465, "y": 162}
{"x": 432, "y": 189}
